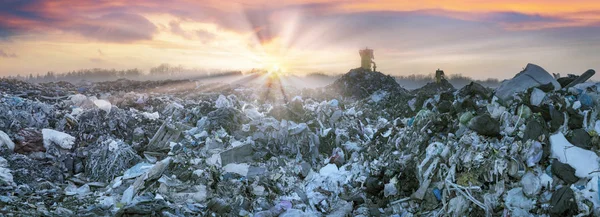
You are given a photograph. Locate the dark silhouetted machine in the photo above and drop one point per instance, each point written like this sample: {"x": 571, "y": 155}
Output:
{"x": 366, "y": 58}
{"x": 439, "y": 75}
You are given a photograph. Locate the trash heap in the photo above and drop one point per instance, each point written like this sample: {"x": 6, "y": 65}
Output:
{"x": 373, "y": 92}
{"x": 355, "y": 148}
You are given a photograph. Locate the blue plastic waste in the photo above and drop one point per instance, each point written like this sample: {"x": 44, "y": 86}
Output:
{"x": 535, "y": 154}
{"x": 549, "y": 170}
{"x": 598, "y": 186}
{"x": 16, "y": 101}
{"x": 438, "y": 194}
{"x": 586, "y": 100}
{"x": 411, "y": 121}
{"x": 193, "y": 207}
{"x": 5, "y": 199}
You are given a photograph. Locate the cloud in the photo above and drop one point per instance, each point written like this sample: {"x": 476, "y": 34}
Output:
{"x": 520, "y": 21}
{"x": 116, "y": 27}
{"x": 6, "y": 54}
{"x": 197, "y": 34}
{"x": 266, "y": 22}
{"x": 204, "y": 35}
{"x": 102, "y": 21}
{"x": 176, "y": 29}
{"x": 97, "y": 60}
{"x": 5, "y": 32}
{"x": 515, "y": 17}
{"x": 16, "y": 17}
{"x": 120, "y": 21}
{"x": 509, "y": 20}
{"x": 261, "y": 25}
{"x": 19, "y": 8}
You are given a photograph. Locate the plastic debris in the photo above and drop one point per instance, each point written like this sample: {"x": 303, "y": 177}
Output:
{"x": 241, "y": 169}
{"x": 485, "y": 125}
{"x": 362, "y": 146}
{"x": 71, "y": 190}
{"x": 583, "y": 161}
{"x": 137, "y": 170}
{"x": 110, "y": 159}
{"x": 6, "y": 141}
{"x": 51, "y": 137}
{"x": 564, "y": 172}
{"x": 531, "y": 184}
{"x": 6, "y": 177}
{"x": 563, "y": 202}
{"x": 151, "y": 116}
{"x": 584, "y": 77}
{"x": 537, "y": 96}
{"x": 534, "y": 154}
{"x": 517, "y": 203}
{"x": 103, "y": 105}
{"x": 531, "y": 76}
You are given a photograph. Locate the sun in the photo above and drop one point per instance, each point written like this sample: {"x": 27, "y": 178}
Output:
{"x": 275, "y": 71}
{"x": 274, "y": 65}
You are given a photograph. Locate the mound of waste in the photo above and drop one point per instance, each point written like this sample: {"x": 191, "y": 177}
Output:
{"x": 443, "y": 89}
{"x": 378, "y": 94}
{"x": 187, "y": 151}
{"x": 360, "y": 83}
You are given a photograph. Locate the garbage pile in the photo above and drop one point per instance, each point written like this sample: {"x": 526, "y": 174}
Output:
{"x": 377, "y": 94}
{"x": 528, "y": 148}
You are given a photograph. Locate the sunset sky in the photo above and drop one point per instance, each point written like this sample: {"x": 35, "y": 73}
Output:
{"x": 477, "y": 38}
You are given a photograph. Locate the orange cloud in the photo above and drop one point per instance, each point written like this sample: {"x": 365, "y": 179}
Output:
{"x": 523, "y": 6}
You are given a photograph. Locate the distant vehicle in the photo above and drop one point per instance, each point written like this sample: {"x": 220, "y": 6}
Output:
{"x": 366, "y": 58}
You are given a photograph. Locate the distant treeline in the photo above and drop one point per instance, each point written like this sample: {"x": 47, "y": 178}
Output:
{"x": 166, "y": 71}
{"x": 161, "y": 72}
{"x": 457, "y": 80}
{"x": 416, "y": 81}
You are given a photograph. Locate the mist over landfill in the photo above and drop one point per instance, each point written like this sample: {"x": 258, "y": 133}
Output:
{"x": 251, "y": 116}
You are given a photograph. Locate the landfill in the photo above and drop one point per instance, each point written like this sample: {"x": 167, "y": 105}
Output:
{"x": 361, "y": 146}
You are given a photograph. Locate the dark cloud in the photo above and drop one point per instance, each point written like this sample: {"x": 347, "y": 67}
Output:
{"x": 18, "y": 16}
{"x": 515, "y": 17}
{"x": 19, "y": 8}
{"x": 116, "y": 27}
{"x": 5, "y": 32}
{"x": 8, "y": 31}
{"x": 6, "y": 54}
